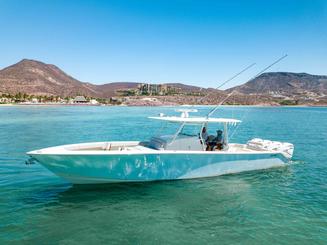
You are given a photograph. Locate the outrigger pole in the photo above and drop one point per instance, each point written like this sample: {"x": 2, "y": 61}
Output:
{"x": 231, "y": 78}
{"x": 258, "y": 74}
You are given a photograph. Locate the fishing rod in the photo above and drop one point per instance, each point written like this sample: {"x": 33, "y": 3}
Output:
{"x": 230, "y": 79}
{"x": 257, "y": 75}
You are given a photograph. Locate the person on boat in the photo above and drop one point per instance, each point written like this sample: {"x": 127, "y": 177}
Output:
{"x": 204, "y": 134}
{"x": 210, "y": 140}
{"x": 211, "y": 143}
{"x": 220, "y": 140}
{"x": 205, "y": 138}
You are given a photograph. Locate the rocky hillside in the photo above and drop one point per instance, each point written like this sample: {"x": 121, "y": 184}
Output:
{"x": 301, "y": 86}
{"x": 109, "y": 89}
{"x": 37, "y": 78}
{"x": 34, "y": 77}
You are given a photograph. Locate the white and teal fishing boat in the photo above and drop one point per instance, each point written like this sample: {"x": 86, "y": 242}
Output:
{"x": 187, "y": 154}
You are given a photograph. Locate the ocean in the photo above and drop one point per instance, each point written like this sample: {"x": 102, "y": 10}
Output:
{"x": 285, "y": 205}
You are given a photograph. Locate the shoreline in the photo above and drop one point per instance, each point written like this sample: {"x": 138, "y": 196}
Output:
{"x": 12, "y": 104}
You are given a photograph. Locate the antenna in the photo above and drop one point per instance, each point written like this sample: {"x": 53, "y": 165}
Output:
{"x": 258, "y": 74}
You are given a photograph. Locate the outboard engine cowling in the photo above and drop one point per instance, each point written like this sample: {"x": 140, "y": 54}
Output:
{"x": 285, "y": 148}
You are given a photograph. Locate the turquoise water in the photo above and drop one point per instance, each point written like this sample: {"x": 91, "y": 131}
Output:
{"x": 278, "y": 206}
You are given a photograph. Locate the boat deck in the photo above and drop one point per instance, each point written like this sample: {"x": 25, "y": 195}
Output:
{"x": 140, "y": 147}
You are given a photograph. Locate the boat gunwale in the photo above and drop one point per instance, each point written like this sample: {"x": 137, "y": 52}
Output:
{"x": 62, "y": 150}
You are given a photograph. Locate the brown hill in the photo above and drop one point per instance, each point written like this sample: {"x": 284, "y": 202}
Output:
{"x": 285, "y": 83}
{"x": 186, "y": 88}
{"x": 34, "y": 77}
{"x": 37, "y": 78}
{"x": 287, "y": 88}
{"x": 109, "y": 89}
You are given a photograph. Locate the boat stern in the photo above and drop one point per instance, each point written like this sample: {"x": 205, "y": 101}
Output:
{"x": 285, "y": 148}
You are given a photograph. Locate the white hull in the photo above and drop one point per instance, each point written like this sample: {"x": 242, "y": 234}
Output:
{"x": 91, "y": 163}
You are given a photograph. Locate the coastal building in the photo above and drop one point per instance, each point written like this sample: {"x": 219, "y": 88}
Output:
{"x": 4, "y": 100}
{"x": 154, "y": 89}
{"x": 62, "y": 101}
{"x": 118, "y": 100}
{"x": 80, "y": 100}
{"x": 94, "y": 102}
{"x": 150, "y": 99}
{"x": 34, "y": 101}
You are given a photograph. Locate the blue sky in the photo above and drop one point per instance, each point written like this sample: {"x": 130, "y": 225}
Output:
{"x": 199, "y": 42}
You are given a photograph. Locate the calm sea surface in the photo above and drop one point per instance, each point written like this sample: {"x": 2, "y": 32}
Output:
{"x": 279, "y": 206}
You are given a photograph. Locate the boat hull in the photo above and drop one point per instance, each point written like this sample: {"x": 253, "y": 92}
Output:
{"x": 113, "y": 168}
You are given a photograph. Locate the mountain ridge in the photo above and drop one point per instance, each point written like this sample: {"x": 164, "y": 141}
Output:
{"x": 283, "y": 82}
{"x": 38, "y": 78}
{"x": 35, "y": 77}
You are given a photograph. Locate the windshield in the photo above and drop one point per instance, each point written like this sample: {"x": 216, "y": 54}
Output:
{"x": 190, "y": 130}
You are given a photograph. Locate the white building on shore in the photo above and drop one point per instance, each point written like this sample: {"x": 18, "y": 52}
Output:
{"x": 80, "y": 100}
